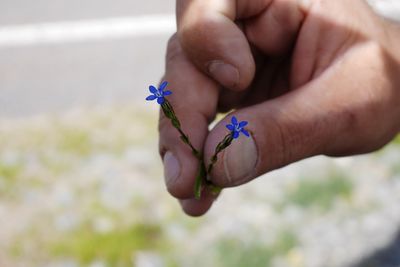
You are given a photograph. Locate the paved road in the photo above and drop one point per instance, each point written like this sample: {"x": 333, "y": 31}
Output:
{"x": 54, "y": 77}
{"x": 26, "y": 11}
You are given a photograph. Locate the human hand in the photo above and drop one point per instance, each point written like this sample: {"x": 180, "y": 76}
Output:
{"x": 312, "y": 77}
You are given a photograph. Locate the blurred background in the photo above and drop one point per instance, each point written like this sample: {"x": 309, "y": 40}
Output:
{"x": 81, "y": 182}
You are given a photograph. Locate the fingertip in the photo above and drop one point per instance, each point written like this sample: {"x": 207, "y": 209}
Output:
{"x": 180, "y": 164}
{"x": 198, "y": 207}
{"x": 178, "y": 179}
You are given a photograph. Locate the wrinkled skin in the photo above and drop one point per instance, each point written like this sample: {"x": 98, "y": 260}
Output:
{"x": 315, "y": 77}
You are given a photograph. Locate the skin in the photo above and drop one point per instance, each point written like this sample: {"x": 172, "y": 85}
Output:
{"x": 315, "y": 77}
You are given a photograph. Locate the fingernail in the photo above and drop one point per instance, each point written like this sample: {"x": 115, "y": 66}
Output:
{"x": 240, "y": 160}
{"x": 225, "y": 74}
{"x": 172, "y": 168}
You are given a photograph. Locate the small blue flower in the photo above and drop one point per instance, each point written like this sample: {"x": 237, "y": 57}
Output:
{"x": 236, "y": 128}
{"x": 159, "y": 93}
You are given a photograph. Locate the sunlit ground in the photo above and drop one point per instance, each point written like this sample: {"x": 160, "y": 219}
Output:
{"x": 86, "y": 189}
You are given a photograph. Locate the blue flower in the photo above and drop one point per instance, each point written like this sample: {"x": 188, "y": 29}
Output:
{"x": 159, "y": 93}
{"x": 236, "y": 128}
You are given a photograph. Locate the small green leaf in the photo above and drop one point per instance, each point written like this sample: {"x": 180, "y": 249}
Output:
{"x": 215, "y": 190}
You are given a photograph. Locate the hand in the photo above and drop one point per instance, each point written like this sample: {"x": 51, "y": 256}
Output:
{"x": 311, "y": 77}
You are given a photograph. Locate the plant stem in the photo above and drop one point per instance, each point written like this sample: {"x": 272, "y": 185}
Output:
{"x": 219, "y": 148}
{"x": 201, "y": 176}
{"x": 170, "y": 113}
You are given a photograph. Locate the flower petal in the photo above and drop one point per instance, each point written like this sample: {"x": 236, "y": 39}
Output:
{"x": 246, "y": 133}
{"x": 167, "y": 93}
{"x": 152, "y": 89}
{"x": 234, "y": 121}
{"x": 163, "y": 85}
{"x": 235, "y": 135}
{"x": 151, "y": 97}
{"x": 160, "y": 100}
{"x": 243, "y": 124}
{"x": 230, "y": 127}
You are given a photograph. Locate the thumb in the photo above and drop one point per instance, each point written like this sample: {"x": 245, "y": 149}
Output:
{"x": 318, "y": 118}
{"x": 282, "y": 131}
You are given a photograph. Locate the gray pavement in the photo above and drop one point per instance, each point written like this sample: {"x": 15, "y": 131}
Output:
{"x": 56, "y": 77}
{"x": 52, "y": 78}
{"x": 25, "y": 11}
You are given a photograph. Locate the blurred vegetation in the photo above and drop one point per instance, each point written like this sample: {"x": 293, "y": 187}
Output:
{"x": 105, "y": 133}
{"x": 115, "y": 248}
{"x": 320, "y": 193}
{"x": 66, "y": 149}
{"x": 237, "y": 253}
{"x": 9, "y": 175}
{"x": 9, "y": 172}
{"x": 397, "y": 140}
{"x": 75, "y": 141}
{"x": 93, "y": 132}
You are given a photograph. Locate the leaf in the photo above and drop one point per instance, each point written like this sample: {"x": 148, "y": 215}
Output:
{"x": 215, "y": 190}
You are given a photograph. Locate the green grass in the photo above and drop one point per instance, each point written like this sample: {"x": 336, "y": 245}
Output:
{"x": 115, "y": 248}
{"x": 235, "y": 253}
{"x": 110, "y": 134}
{"x": 10, "y": 172}
{"x": 397, "y": 140}
{"x": 285, "y": 242}
{"x": 76, "y": 141}
{"x": 320, "y": 193}
{"x": 9, "y": 176}
{"x": 396, "y": 170}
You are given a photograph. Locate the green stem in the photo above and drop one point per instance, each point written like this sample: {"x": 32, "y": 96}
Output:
{"x": 201, "y": 173}
{"x": 202, "y": 177}
{"x": 219, "y": 148}
{"x": 170, "y": 113}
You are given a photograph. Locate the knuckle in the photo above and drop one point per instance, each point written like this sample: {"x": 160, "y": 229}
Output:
{"x": 173, "y": 48}
{"x": 287, "y": 142}
{"x": 279, "y": 143}
{"x": 355, "y": 136}
{"x": 194, "y": 31}
{"x": 294, "y": 138}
